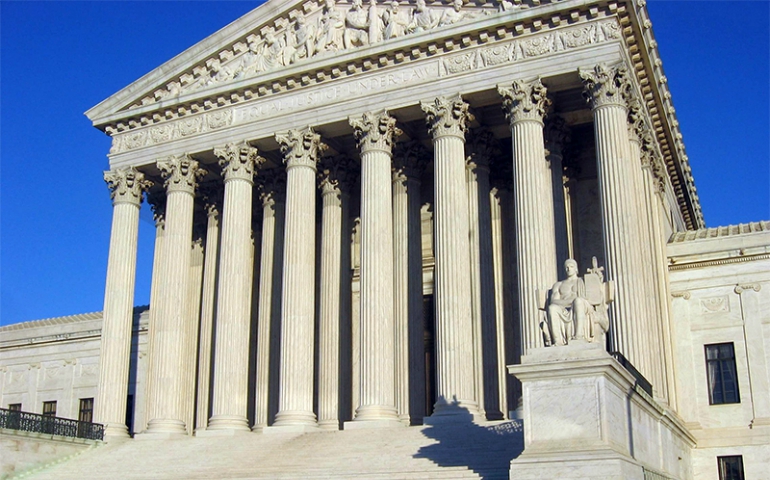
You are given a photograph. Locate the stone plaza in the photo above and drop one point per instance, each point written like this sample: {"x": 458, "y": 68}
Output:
{"x": 381, "y": 222}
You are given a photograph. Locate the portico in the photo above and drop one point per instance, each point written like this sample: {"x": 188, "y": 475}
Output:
{"x": 308, "y": 310}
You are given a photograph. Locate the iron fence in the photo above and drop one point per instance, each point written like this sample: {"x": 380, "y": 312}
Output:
{"x": 34, "y": 422}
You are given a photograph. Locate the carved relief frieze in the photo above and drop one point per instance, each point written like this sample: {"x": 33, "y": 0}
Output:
{"x": 424, "y": 69}
{"x": 715, "y": 304}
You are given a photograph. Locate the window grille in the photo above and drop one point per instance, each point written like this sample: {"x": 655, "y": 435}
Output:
{"x": 721, "y": 371}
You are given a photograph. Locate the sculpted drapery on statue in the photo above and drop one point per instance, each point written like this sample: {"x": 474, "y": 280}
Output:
{"x": 577, "y": 307}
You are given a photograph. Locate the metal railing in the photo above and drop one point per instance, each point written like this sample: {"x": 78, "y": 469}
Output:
{"x": 34, "y": 422}
{"x": 643, "y": 383}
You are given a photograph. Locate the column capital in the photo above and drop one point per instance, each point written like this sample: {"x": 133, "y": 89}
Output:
{"x": 212, "y": 196}
{"x": 375, "y": 131}
{"x": 606, "y": 85}
{"x": 557, "y": 134}
{"x": 525, "y": 101}
{"x": 636, "y": 121}
{"x": 181, "y": 173}
{"x": 238, "y": 161}
{"x": 480, "y": 150}
{"x": 272, "y": 186}
{"x": 447, "y": 116}
{"x": 410, "y": 159}
{"x": 336, "y": 175}
{"x": 157, "y": 201}
{"x": 301, "y": 148}
{"x": 126, "y": 185}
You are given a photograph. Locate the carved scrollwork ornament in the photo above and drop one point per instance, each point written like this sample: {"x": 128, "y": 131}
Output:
{"x": 748, "y": 287}
{"x": 525, "y": 101}
{"x": 557, "y": 135}
{"x": 481, "y": 149}
{"x": 447, "y": 116}
{"x": 301, "y": 148}
{"x": 181, "y": 173}
{"x": 636, "y": 122}
{"x": 375, "y": 131}
{"x": 212, "y": 196}
{"x": 409, "y": 160}
{"x": 336, "y": 175}
{"x": 157, "y": 201}
{"x": 606, "y": 85}
{"x": 272, "y": 186}
{"x": 238, "y": 161}
{"x": 126, "y": 185}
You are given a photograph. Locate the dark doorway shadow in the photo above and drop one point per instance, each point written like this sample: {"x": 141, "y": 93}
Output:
{"x": 487, "y": 449}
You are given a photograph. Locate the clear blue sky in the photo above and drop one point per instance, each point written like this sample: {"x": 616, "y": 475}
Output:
{"x": 58, "y": 59}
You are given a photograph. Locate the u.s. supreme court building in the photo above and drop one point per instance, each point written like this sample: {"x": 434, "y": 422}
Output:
{"x": 362, "y": 211}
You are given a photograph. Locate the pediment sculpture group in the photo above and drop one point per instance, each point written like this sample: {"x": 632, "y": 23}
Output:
{"x": 576, "y": 307}
{"x": 335, "y": 29}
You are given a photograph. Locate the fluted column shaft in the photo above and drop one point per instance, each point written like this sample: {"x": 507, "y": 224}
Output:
{"x": 168, "y": 366}
{"x": 455, "y": 388}
{"x": 329, "y": 306}
{"x": 556, "y": 136}
{"x": 269, "y": 298}
{"x": 231, "y": 365}
{"x": 525, "y": 105}
{"x": 606, "y": 88}
{"x": 208, "y": 310}
{"x": 377, "y": 402}
{"x": 301, "y": 149}
{"x": 409, "y": 161}
{"x": 158, "y": 203}
{"x": 126, "y": 188}
{"x": 193, "y": 323}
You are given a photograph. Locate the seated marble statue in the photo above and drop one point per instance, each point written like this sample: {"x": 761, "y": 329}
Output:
{"x": 577, "y": 307}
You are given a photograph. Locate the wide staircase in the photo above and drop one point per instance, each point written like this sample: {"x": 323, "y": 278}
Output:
{"x": 445, "y": 451}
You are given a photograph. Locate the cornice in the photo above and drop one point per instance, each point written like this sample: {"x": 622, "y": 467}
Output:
{"x": 461, "y": 46}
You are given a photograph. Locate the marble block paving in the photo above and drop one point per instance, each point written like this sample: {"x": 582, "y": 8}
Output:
{"x": 446, "y": 451}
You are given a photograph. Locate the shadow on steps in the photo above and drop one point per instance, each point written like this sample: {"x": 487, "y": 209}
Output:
{"x": 487, "y": 450}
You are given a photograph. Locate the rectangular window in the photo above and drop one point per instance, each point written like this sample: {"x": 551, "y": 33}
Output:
{"x": 49, "y": 409}
{"x": 722, "y": 377}
{"x": 14, "y": 407}
{"x": 730, "y": 468}
{"x": 86, "y": 413}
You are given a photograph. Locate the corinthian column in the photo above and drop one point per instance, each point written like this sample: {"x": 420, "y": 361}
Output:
{"x": 455, "y": 390}
{"x": 557, "y": 135}
{"x": 157, "y": 201}
{"x": 212, "y": 199}
{"x": 182, "y": 174}
{"x": 409, "y": 162}
{"x": 231, "y": 361}
{"x": 480, "y": 152}
{"x": 375, "y": 133}
{"x": 301, "y": 149}
{"x": 126, "y": 188}
{"x": 273, "y": 187}
{"x": 606, "y": 88}
{"x": 525, "y": 105}
{"x": 332, "y": 178}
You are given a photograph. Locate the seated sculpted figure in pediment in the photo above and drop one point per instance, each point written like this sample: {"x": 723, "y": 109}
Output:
{"x": 576, "y": 310}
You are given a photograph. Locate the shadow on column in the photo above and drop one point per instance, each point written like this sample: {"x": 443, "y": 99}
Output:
{"x": 487, "y": 450}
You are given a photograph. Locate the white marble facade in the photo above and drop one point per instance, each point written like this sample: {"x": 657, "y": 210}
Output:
{"x": 359, "y": 208}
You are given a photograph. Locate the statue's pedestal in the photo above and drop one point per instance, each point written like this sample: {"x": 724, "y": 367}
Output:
{"x": 585, "y": 418}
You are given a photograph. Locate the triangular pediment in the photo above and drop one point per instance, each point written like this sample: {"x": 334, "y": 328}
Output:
{"x": 281, "y": 35}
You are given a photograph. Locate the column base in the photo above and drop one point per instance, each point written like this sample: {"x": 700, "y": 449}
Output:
{"x": 455, "y": 412}
{"x": 293, "y": 421}
{"x": 329, "y": 425}
{"x": 163, "y": 426}
{"x": 228, "y": 422}
{"x": 115, "y": 431}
